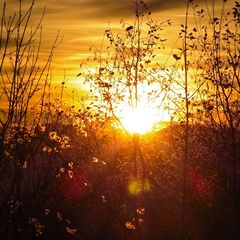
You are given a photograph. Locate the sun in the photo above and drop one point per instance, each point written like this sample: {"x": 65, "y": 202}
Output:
{"x": 138, "y": 120}
{"x": 148, "y": 114}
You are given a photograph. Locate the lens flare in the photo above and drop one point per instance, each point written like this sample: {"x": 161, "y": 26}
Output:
{"x": 135, "y": 187}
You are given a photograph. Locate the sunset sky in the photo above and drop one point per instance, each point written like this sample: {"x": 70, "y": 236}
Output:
{"x": 82, "y": 23}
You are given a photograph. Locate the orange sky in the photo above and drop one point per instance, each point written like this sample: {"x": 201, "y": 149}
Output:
{"x": 83, "y": 22}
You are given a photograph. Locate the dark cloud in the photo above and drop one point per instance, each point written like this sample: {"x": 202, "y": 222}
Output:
{"x": 90, "y": 8}
{"x": 83, "y": 22}
{"x": 156, "y": 5}
{"x": 107, "y": 8}
{"x": 104, "y": 8}
{"x": 100, "y": 8}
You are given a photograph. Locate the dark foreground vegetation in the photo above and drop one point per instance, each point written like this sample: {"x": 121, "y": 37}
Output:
{"x": 55, "y": 187}
{"x": 67, "y": 172}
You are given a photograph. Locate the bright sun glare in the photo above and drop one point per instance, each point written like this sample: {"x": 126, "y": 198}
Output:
{"x": 149, "y": 113}
{"x": 146, "y": 117}
{"x": 138, "y": 120}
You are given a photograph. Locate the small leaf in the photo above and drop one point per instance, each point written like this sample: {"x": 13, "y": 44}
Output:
{"x": 176, "y": 57}
{"x": 129, "y": 28}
